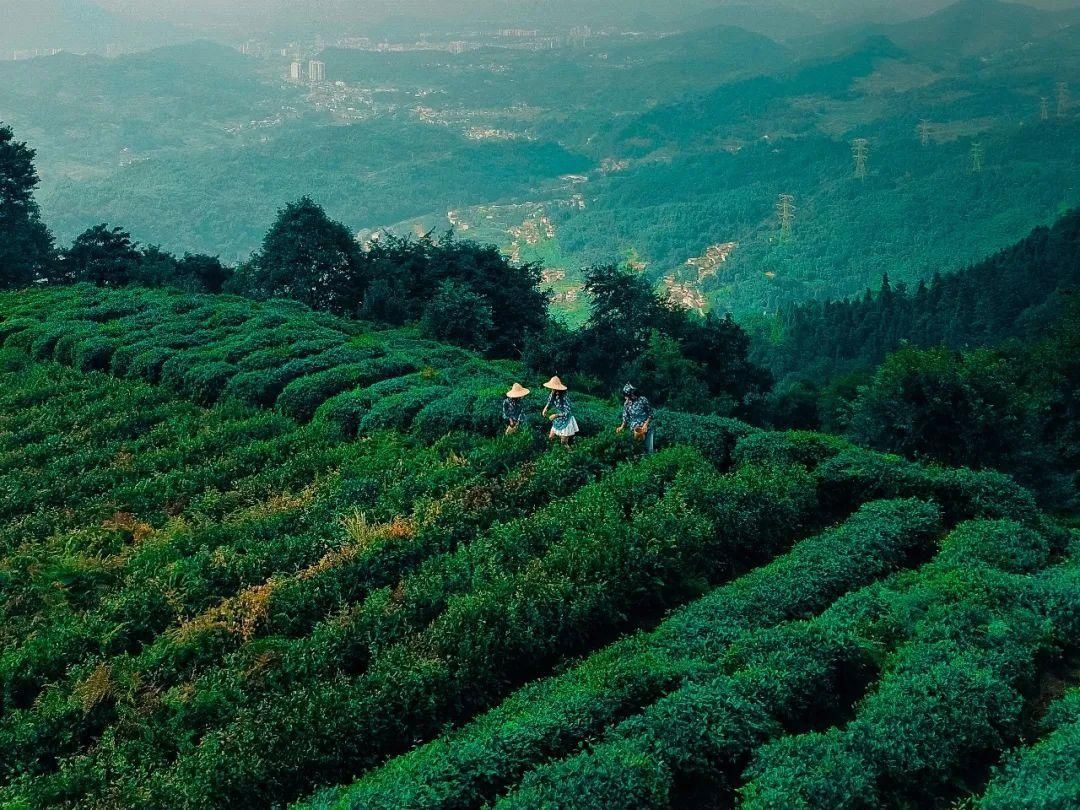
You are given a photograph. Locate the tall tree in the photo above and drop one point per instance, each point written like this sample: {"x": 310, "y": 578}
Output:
{"x": 722, "y": 349}
{"x": 624, "y": 312}
{"x": 101, "y": 255}
{"x": 308, "y": 257}
{"x": 458, "y": 315}
{"x": 406, "y": 274}
{"x": 193, "y": 273}
{"x": 634, "y": 333}
{"x": 26, "y": 246}
{"x": 938, "y": 405}
{"x": 201, "y": 272}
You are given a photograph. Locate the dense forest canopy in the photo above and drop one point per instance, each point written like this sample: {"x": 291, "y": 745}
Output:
{"x": 975, "y": 367}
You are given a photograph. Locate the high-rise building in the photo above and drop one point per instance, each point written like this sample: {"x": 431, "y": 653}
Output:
{"x": 316, "y": 71}
{"x": 296, "y": 72}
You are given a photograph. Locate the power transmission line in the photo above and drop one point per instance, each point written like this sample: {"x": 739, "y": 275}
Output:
{"x": 976, "y": 158}
{"x": 860, "y": 150}
{"x": 926, "y": 129}
{"x": 785, "y": 209}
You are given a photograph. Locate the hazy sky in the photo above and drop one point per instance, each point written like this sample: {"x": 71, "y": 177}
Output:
{"x": 83, "y": 24}
{"x": 349, "y": 11}
{"x": 357, "y": 12}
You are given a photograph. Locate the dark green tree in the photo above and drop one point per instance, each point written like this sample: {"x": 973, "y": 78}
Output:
{"x": 1051, "y": 370}
{"x": 459, "y": 315}
{"x": 101, "y": 255}
{"x": 632, "y": 332}
{"x": 938, "y": 405}
{"x": 193, "y": 273}
{"x": 26, "y": 246}
{"x": 405, "y": 274}
{"x": 308, "y": 257}
{"x": 624, "y": 312}
{"x": 675, "y": 381}
{"x": 201, "y": 272}
{"x": 722, "y": 349}
{"x": 156, "y": 268}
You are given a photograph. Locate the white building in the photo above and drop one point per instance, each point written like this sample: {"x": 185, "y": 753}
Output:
{"x": 296, "y": 72}
{"x": 316, "y": 71}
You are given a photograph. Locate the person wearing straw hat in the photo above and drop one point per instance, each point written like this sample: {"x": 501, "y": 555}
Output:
{"x": 638, "y": 416}
{"x": 513, "y": 407}
{"x": 560, "y": 411}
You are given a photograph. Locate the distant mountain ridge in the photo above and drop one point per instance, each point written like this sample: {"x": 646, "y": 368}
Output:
{"x": 970, "y": 28}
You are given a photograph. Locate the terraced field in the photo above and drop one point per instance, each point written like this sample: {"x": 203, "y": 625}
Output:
{"x": 252, "y": 555}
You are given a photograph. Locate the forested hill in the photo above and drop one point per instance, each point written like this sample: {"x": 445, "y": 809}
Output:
{"x": 977, "y": 368}
{"x": 1016, "y": 293}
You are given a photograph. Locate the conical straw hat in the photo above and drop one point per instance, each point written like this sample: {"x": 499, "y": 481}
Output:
{"x": 555, "y": 384}
{"x": 518, "y": 391}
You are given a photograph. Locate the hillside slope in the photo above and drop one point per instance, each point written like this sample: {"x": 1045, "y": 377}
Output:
{"x": 249, "y": 551}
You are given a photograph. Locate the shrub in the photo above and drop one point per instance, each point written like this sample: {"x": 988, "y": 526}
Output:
{"x": 93, "y": 354}
{"x": 1045, "y": 774}
{"x": 23, "y": 336}
{"x": 146, "y": 365}
{"x": 302, "y": 397}
{"x": 192, "y": 376}
{"x": 793, "y": 447}
{"x": 10, "y": 327}
{"x": 43, "y": 343}
{"x": 714, "y": 436}
{"x": 1001, "y": 544}
{"x": 814, "y": 770}
{"x": 856, "y": 476}
{"x": 397, "y": 411}
{"x": 344, "y": 412}
{"x": 66, "y": 343}
{"x": 452, "y": 411}
{"x": 949, "y": 698}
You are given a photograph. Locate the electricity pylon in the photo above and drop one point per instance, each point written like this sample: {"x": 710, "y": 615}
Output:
{"x": 1044, "y": 108}
{"x": 925, "y": 130}
{"x": 1062, "y": 99}
{"x": 785, "y": 209}
{"x": 860, "y": 149}
{"x": 976, "y": 158}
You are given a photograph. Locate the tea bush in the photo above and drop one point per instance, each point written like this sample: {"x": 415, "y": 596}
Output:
{"x": 249, "y": 551}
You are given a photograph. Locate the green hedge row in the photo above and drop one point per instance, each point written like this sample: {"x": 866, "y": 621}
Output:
{"x": 276, "y": 354}
{"x": 269, "y": 546}
{"x": 691, "y": 746}
{"x": 207, "y": 348}
{"x": 497, "y": 634}
{"x": 471, "y": 766}
{"x": 1045, "y": 775}
{"x": 706, "y": 727}
{"x": 138, "y": 600}
{"x": 296, "y": 605}
{"x": 950, "y": 698}
{"x": 207, "y": 619}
